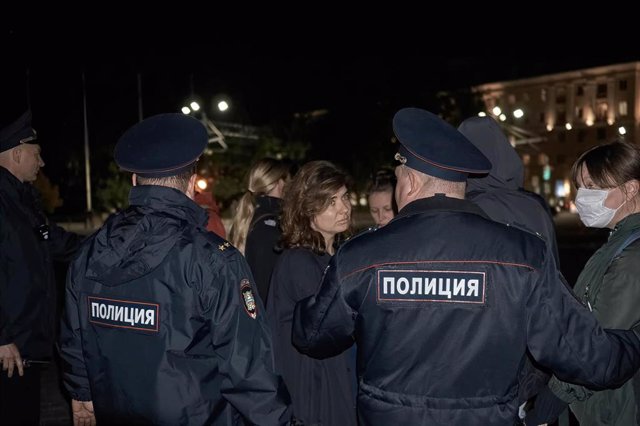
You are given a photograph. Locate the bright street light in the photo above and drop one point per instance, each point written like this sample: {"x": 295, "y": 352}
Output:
{"x": 223, "y": 106}
{"x": 518, "y": 113}
{"x": 194, "y": 106}
{"x": 185, "y": 110}
{"x": 202, "y": 184}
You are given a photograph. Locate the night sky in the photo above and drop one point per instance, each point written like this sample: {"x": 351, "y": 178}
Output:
{"x": 267, "y": 80}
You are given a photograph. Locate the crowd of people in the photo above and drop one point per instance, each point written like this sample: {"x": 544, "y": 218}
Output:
{"x": 450, "y": 310}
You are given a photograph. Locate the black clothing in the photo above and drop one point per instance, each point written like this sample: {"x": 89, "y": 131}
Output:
{"x": 28, "y": 247}
{"x": 500, "y": 193}
{"x": 261, "y": 249}
{"x": 501, "y": 196}
{"x": 162, "y": 326}
{"x": 321, "y": 390}
{"x": 27, "y": 281}
{"x": 443, "y": 319}
{"x": 20, "y": 398}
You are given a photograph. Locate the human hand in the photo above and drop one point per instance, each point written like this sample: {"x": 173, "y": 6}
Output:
{"x": 546, "y": 408}
{"x": 83, "y": 413}
{"x": 10, "y": 359}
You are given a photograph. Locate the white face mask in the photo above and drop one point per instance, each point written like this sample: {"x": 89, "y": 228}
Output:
{"x": 591, "y": 208}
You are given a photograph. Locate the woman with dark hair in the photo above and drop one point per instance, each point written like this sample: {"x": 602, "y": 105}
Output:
{"x": 381, "y": 197}
{"x": 608, "y": 181}
{"x": 316, "y": 215}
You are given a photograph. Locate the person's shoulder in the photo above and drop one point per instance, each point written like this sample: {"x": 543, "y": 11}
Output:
{"x": 297, "y": 254}
{"x": 264, "y": 222}
{"x": 210, "y": 241}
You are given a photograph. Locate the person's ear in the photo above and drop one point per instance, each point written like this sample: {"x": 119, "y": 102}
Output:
{"x": 191, "y": 188}
{"x": 16, "y": 154}
{"x": 631, "y": 188}
{"x": 414, "y": 182}
{"x": 134, "y": 179}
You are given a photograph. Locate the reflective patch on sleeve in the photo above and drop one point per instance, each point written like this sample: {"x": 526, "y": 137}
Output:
{"x": 124, "y": 313}
{"x": 248, "y": 300}
{"x": 431, "y": 286}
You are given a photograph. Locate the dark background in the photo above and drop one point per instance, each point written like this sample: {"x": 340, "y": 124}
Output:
{"x": 360, "y": 81}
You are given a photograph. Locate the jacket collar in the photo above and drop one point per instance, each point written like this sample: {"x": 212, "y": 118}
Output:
{"x": 169, "y": 201}
{"x": 440, "y": 203}
{"x": 267, "y": 204}
{"x": 11, "y": 185}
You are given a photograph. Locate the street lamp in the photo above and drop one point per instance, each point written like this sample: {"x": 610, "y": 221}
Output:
{"x": 215, "y": 135}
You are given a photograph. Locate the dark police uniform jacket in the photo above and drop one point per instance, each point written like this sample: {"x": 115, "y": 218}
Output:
{"x": 28, "y": 247}
{"x": 443, "y": 304}
{"x": 162, "y": 325}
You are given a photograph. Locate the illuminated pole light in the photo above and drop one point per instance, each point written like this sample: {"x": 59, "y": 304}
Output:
{"x": 202, "y": 184}
{"x": 622, "y": 130}
{"x": 496, "y": 110}
{"x": 223, "y": 106}
{"x": 568, "y": 126}
{"x": 194, "y": 106}
{"x": 185, "y": 110}
{"x": 482, "y": 114}
{"x": 518, "y": 113}
{"x": 503, "y": 117}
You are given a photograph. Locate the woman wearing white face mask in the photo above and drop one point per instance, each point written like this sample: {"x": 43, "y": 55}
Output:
{"x": 608, "y": 182}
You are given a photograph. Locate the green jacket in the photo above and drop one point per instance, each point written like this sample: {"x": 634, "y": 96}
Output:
{"x": 611, "y": 288}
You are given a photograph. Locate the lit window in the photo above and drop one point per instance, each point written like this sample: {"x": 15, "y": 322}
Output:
{"x": 622, "y": 107}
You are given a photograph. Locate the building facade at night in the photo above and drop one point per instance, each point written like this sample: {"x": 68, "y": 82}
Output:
{"x": 552, "y": 119}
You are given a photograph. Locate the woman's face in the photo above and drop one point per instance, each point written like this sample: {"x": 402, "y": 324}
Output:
{"x": 381, "y": 207}
{"x": 336, "y": 217}
{"x": 615, "y": 198}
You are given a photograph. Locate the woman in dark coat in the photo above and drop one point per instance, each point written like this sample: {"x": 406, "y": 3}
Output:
{"x": 316, "y": 214}
{"x": 255, "y": 230}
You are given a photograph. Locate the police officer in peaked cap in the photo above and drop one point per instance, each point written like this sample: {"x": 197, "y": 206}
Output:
{"x": 162, "y": 322}
{"x": 29, "y": 244}
{"x": 443, "y": 302}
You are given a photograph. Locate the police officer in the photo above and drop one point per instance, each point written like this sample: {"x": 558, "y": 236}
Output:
{"x": 162, "y": 325}
{"x": 443, "y": 302}
{"x": 28, "y": 246}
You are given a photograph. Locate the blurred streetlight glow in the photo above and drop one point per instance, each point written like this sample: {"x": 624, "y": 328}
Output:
{"x": 223, "y": 106}
{"x": 185, "y": 110}
{"x": 482, "y": 114}
{"x": 568, "y": 126}
{"x": 194, "y": 106}
{"x": 622, "y": 130}
{"x": 503, "y": 117}
{"x": 496, "y": 110}
{"x": 518, "y": 113}
{"x": 202, "y": 184}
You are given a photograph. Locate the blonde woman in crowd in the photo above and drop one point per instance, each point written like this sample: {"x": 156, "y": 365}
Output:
{"x": 255, "y": 230}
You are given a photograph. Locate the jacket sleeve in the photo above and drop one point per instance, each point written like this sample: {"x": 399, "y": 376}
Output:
{"x": 615, "y": 306}
{"x": 323, "y": 325}
{"x": 63, "y": 244}
{"x": 564, "y": 336}
{"x": 242, "y": 342}
{"x": 75, "y": 377}
{"x": 6, "y": 332}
